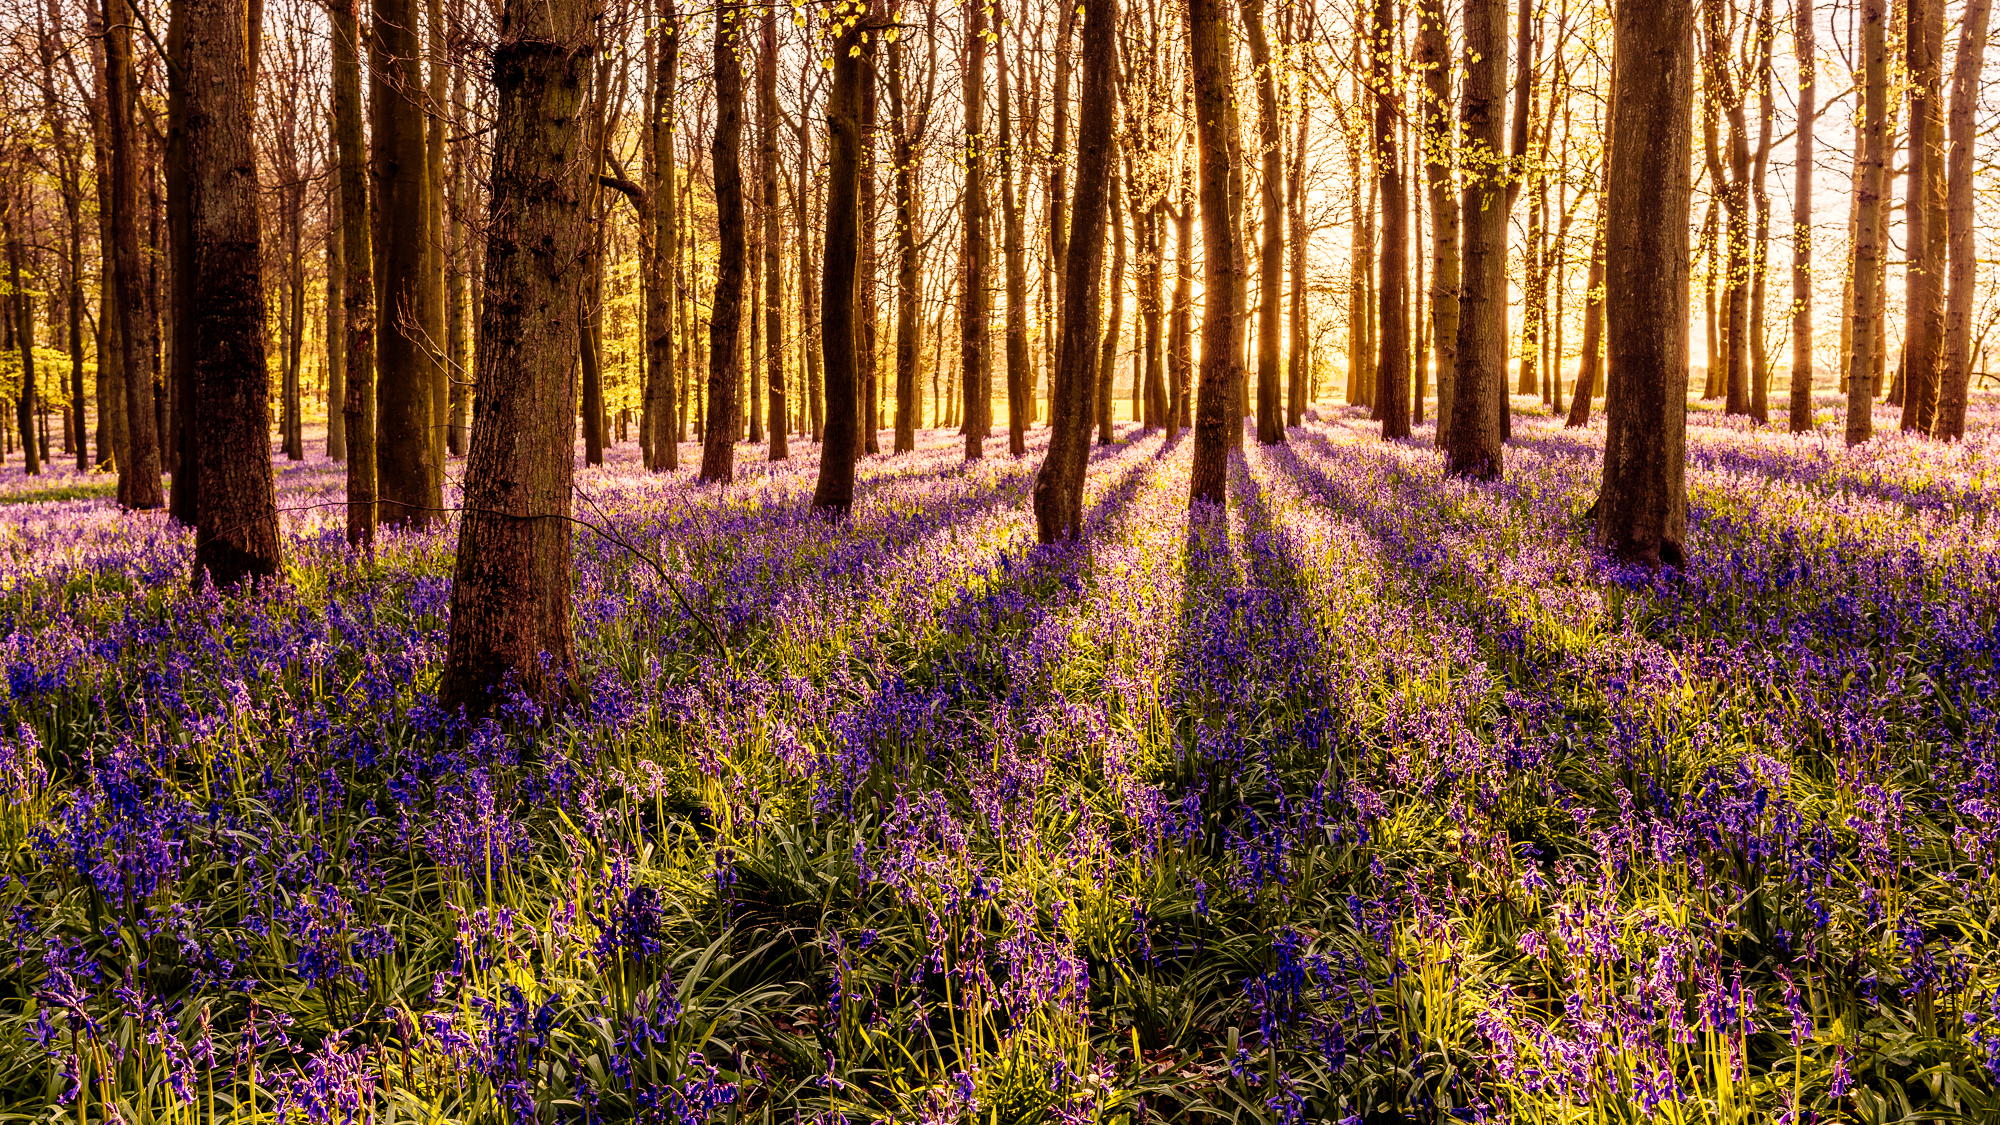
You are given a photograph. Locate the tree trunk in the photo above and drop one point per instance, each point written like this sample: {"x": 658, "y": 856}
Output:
{"x": 1208, "y": 49}
{"x": 24, "y": 333}
{"x": 1480, "y": 364}
{"x": 236, "y": 514}
{"x": 1058, "y": 496}
{"x": 336, "y": 319}
{"x": 510, "y": 597}
{"x": 774, "y": 262}
{"x": 1433, "y": 55}
{"x": 865, "y": 309}
{"x": 1925, "y": 222}
{"x": 1868, "y": 234}
{"x": 1107, "y": 365}
{"x": 457, "y": 292}
{"x": 409, "y": 486}
{"x": 1955, "y": 369}
{"x": 1590, "y": 362}
{"x": 358, "y": 300}
{"x": 839, "y": 334}
{"x": 663, "y": 415}
{"x": 139, "y": 485}
{"x": 973, "y": 263}
{"x": 909, "y": 126}
{"x": 1019, "y": 373}
{"x": 1800, "y": 416}
{"x": 1760, "y": 239}
{"x": 1271, "y": 253}
{"x": 1181, "y": 332}
{"x": 1392, "y": 370}
{"x": 718, "y": 455}
{"x": 1642, "y": 509}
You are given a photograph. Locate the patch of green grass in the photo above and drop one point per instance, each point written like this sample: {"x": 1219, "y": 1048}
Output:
{"x": 89, "y": 490}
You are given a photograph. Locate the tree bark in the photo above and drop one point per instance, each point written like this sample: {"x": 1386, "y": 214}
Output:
{"x": 1480, "y": 365}
{"x": 139, "y": 486}
{"x": 1799, "y": 417}
{"x": 510, "y": 598}
{"x": 774, "y": 286}
{"x": 1955, "y": 365}
{"x": 1925, "y": 221}
{"x": 1180, "y": 333}
{"x": 909, "y": 123}
{"x": 973, "y": 262}
{"x": 1019, "y": 373}
{"x": 1107, "y": 366}
{"x": 236, "y": 514}
{"x": 1868, "y": 233}
{"x": 408, "y": 481}
{"x": 336, "y": 319}
{"x": 1208, "y": 49}
{"x": 1591, "y": 361}
{"x": 1760, "y": 244}
{"x": 833, "y": 494}
{"x": 1392, "y": 370}
{"x": 718, "y": 454}
{"x": 1642, "y": 509}
{"x": 1058, "y": 495}
{"x": 358, "y": 300}
{"x": 24, "y": 334}
{"x": 663, "y": 419}
{"x": 1271, "y": 253}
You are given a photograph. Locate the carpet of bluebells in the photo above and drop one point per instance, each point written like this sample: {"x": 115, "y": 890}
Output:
{"x": 1374, "y": 796}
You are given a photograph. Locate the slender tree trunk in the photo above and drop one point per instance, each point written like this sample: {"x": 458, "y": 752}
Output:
{"x": 139, "y": 485}
{"x": 718, "y": 456}
{"x": 662, "y": 418}
{"x": 236, "y": 515}
{"x": 409, "y": 484}
{"x": 1868, "y": 236}
{"x": 774, "y": 262}
{"x": 1107, "y": 361}
{"x": 458, "y": 266}
{"x": 1208, "y": 48}
{"x": 974, "y": 266}
{"x": 336, "y": 319}
{"x": 1925, "y": 221}
{"x": 293, "y": 422}
{"x": 1058, "y": 496}
{"x": 1433, "y": 56}
{"x": 358, "y": 299}
{"x": 1480, "y": 365}
{"x": 435, "y": 336}
{"x": 1955, "y": 365}
{"x": 865, "y": 305}
{"x": 840, "y": 334}
{"x": 1392, "y": 370}
{"x": 1760, "y": 240}
{"x": 1019, "y": 373}
{"x": 1590, "y": 362}
{"x": 908, "y": 129}
{"x": 24, "y": 333}
{"x": 1642, "y": 509}
{"x": 510, "y": 598}
{"x": 1271, "y": 260}
{"x": 1800, "y": 416}
{"x": 1181, "y": 332}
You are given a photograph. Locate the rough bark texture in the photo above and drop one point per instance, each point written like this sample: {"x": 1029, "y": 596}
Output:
{"x": 1208, "y": 49}
{"x": 358, "y": 297}
{"x": 1392, "y": 367}
{"x": 1434, "y": 59}
{"x": 718, "y": 451}
{"x": 1058, "y": 496}
{"x": 1868, "y": 239}
{"x": 1642, "y": 508}
{"x": 1107, "y": 431}
{"x": 236, "y": 514}
{"x": 1013, "y": 252}
{"x": 774, "y": 261}
{"x": 336, "y": 319}
{"x": 510, "y": 599}
{"x": 909, "y": 123}
{"x": 1799, "y": 413}
{"x": 1955, "y": 366}
{"x": 139, "y": 484}
{"x": 1591, "y": 362}
{"x": 973, "y": 299}
{"x": 1480, "y": 366}
{"x": 1180, "y": 332}
{"x": 833, "y": 494}
{"x": 24, "y": 338}
{"x": 177, "y": 448}
{"x": 662, "y": 419}
{"x": 409, "y": 484}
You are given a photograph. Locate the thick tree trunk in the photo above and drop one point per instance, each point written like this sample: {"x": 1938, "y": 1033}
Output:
{"x": 1799, "y": 416}
{"x": 1868, "y": 238}
{"x": 432, "y": 293}
{"x": 236, "y": 515}
{"x": 663, "y": 415}
{"x": 909, "y": 123}
{"x": 408, "y": 481}
{"x": 973, "y": 259}
{"x": 1392, "y": 367}
{"x": 510, "y": 598}
{"x": 139, "y": 484}
{"x": 1955, "y": 365}
{"x": 1208, "y": 49}
{"x": 1925, "y": 222}
{"x": 833, "y": 494}
{"x": 1058, "y": 496}
{"x": 358, "y": 300}
{"x": 718, "y": 454}
{"x": 1590, "y": 362}
{"x": 1642, "y": 509}
{"x": 1480, "y": 365}
{"x": 177, "y": 448}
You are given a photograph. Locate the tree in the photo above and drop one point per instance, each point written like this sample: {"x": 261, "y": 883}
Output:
{"x": 1058, "y": 496}
{"x": 1799, "y": 416}
{"x": 975, "y": 255}
{"x": 357, "y": 261}
{"x": 1434, "y": 59}
{"x": 833, "y": 494}
{"x": 139, "y": 469}
{"x": 236, "y": 514}
{"x": 661, "y": 419}
{"x": 1473, "y": 448}
{"x": 408, "y": 477}
{"x": 909, "y": 119}
{"x": 1956, "y": 362}
{"x": 718, "y": 451}
{"x": 1592, "y": 360}
{"x": 1868, "y": 237}
{"x": 510, "y": 596}
{"x": 1924, "y": 217}
{"x": 1019, "y": 373}
{"x": 1209, "y": 66}
{"x": 24, "y": 329}
{"x": 1392, "y": 372}
{"x": 1642, "y": 507}
{"x": 1271, "y": 260}
{"x": 774, "y": 292}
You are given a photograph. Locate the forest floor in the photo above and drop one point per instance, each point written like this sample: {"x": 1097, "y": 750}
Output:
{"x": 1372, "y": 796}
